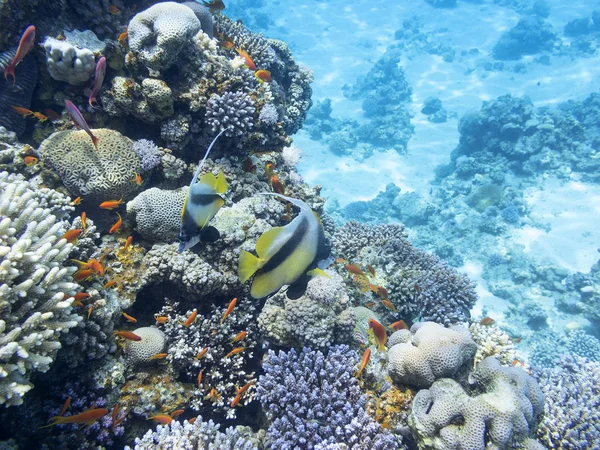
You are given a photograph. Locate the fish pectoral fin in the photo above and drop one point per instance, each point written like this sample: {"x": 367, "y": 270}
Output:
{"x": 248, "y": 265}
{"x": 222, "y": 185}
{"x": 266, "y": 240}
{"x": 317, "y": 272}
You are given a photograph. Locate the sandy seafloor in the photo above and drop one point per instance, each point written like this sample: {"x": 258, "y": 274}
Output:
{"x": 341, "y": 40}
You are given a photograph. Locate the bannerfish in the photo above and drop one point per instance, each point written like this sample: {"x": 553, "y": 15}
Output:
{"x": 201, "y": 203}
{"x": 285, "y": 254}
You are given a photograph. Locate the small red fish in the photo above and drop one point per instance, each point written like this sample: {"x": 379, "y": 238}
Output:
{"x": 213, "y": 396}
{"x": 25, "y": 45}
{"x": 202, "y": 353}
{"x": 129, "y": 318}
{"x": 111, "y": 204}
{"x": 30, "y": 161}
{"x": 161, "y": 418}
{"x": 399, "y": 325}
{"x": 22, "y": 111}
{"x": 487, "y": 321}
{"x": 277, "y": 185}
{"x": 363, "y": 362}
{"x": 115, "y": 417}
{"x": 77, "y": 201}
{"x": 249, "y": 63}
{"x": 229, "y": 309}
{"x": 128, "y": 243}
{"x": 83, "y": 220}
{"x": 353, "y": 268}
{"x": 72, "y": 235}
{"x": 122, "y": 39}
{"x": 190, "y": 320}
{"x": 127, "y": 335}
{"x": 241, "y": 335}
{"x": 192, "y": 420}
{"x": 81, "y": 296}
{"x": 199, "y": 379}
{"x": 235, "y": 351}
{"x": 161, "y": 319}
{"x": 90, "y": 312}
{"x": 389, "y": 305}
{"x": 39, "y": 116}
{"x": 248, "y": 165}
{"x": 65, "y": 406}
{"x": 53, "y": 115}
{"x": 264, "y": 76}
{"x": 379, "y": 332}
{"x": 98, "y": 79}
{"x": 109, "y": 284}
{"x": 87, "y": 417}
{"x": 83, "y": 274}
{"x": 177, "y": 412}
{"x": 112, "y": 9}
{"x": 79, "y": 120}
{"x": 138, "y": 179}
{"x": 371, "y": 270}
{"x": 214, "y": 5}
{"x": 226, "y": 44}
{"x": 159, "y": 356}
{"x": 117, "y": 225}
{"x": 269, "y": 170}
{"x": 96, "y": 266}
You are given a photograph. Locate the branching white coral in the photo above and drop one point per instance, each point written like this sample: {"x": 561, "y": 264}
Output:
{"x": 35, "y": 306}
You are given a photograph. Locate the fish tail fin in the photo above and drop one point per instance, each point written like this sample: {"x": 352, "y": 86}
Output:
{"x": 248, "y": 265}
{"x": 10, "y": 70}
{"x": 222, "y": 185}
{"x": 95, "y": 140}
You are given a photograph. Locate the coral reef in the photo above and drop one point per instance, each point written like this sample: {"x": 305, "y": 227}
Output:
{"x": 435, "y": 352}
{"x": 103, "y": 174}
{"x": 313, "y": 399}
{"x": 158, "y": 34}
{"x": 148, "y": 153}
{"x": 503, "y": 410}
{"x": 530, "y": 36}
{"x": 36, "y": 288}
{"x": 572, "y": 419}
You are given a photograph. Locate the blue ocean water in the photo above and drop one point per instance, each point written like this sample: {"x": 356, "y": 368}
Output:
{"x": 450, "y": 150}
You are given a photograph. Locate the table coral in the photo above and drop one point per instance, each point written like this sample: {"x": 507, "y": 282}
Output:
{"x": 34, "y": 283}
{"x": 312, "y": 399}
{"x": 434, "y": 352}
{"x": 103, "y": 174}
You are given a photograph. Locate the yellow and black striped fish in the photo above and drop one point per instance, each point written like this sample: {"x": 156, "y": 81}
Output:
{"x": 201, "y": 203}
{"x": 285, "y": 254}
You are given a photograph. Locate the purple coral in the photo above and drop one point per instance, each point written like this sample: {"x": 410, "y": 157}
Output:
{"x": 572, "y": 407}
{"x": 314, "y": 402}
{"x": 231, "y": 111}
{"x": 148, "y": 152}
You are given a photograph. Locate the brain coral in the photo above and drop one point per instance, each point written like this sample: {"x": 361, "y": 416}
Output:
{"x": 152, "y": 342}
{"x": 503, "y": 415}
{"x": 107, "y": 173}
{"x": 158, "y": 34}
{"x": 435, "y": 352}
{"x": 157, "y": 213}
{"x": 34, "y": 305}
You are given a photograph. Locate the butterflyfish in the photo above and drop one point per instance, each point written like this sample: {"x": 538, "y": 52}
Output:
{"x": 202, "y": 202}
{"x": 285, "y": 254}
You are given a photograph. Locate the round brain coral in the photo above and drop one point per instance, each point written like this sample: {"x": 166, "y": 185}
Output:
{"x": 157, "y": 213}
{"x": 106, "y": 173}
{"x": 152, "y": 343}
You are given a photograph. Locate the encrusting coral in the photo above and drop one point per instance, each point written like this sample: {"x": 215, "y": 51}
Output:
{"x": 35, "y": 289}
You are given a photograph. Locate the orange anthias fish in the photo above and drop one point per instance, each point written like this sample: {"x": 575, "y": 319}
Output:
{"x": 111, "y": 204}
{"x": 269, "y": 170}
{"x": 487, "y": 321}
{"x": 379, "y": 332}
{"x": 190, "y": 320}
{"x": 241, "y": 335}
{"x": 159, "y": 356}
{"x": 138, "y": 179}
{"x": 109, "y": 284}
{"x": 353, "y": 268}
{"x": 90, "y": 311}
{"x": 65, "y": 406}
{"x": 163, "y": 419}
{"x": 83, "y": 220}
{"x": 161, "y": 319}
{"x": 30, "y": 161}
{"x": 229, "y": 309}
{"x": 129, "y": 318}
{"x": 382, "y": 292}
{"x": 53, "y": 115}
{"x": 248, "y": 165}
{"x": 83, "y": 274}
{"x": 87, "y": 417}
{"x": 264, "y": 76}
{"x": 128, "y": 243}
{"x": 114, "y": 10}
{"x": 123, "y": 38}
{"x": 115, "y": 417}
{"x": 389, "y": 305}
{"x": 213, "y": 396}
{"x": 363, "y": 362}
{"x": 240, "y": 393}
{"x": 117, "y": 225}
{"x": 39, "y": 116}
{"x": 249, "y": 63}
{"x": 177, "y": 412}
{"x": 400, "y": 325}
{"x": 226, "y": 44}
{"x": 92, "y": 264}
{"x": 235, "y": 351}
{"x": 214, "y": 5}
{"x": 199, "y": 379}
{"x": 202, "y": 353}
{"x": 371, "y": 270}
{"x": 127, "y": 335}
{"x": 22, "y": 111}
{"x": 77, "y": 201}
{"x": 71, "y": 235}
{"x": 25, "y": 45}
{"x": 81, "y": 296}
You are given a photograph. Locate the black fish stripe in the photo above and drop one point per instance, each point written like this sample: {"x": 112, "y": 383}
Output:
{"x": 288, "y": 248}
{"x": 203, "y": 199}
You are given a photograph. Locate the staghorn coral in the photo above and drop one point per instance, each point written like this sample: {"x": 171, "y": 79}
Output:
{"x": 317, "y": 319}
{"x": 207, "y": 332}
{"x": 158, "y": 34}
{"x": 572, "y": 407}
{"x": 106, "y": 173}
{"x": 420, "y": 285}
{"x": 35, "y": 306}
{"x": 434, "y": 352}
{"x": 502, "y": 412}
{"x": 199, "y": 435}
{"x": 313, "y": 401}
{"x": 232, "y": 112}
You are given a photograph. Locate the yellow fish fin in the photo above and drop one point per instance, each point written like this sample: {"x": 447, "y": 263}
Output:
{"x": 222, "y": 185}
{"x": 247, "y": 266}
{"x": 209, "y": 179}
{"x": 266, "y": 240}
{"x": 207, "y": 214}
{"x": 265, "y": 284}
{"x": 316, "y": 272}
{"x": 184, "y": 204}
